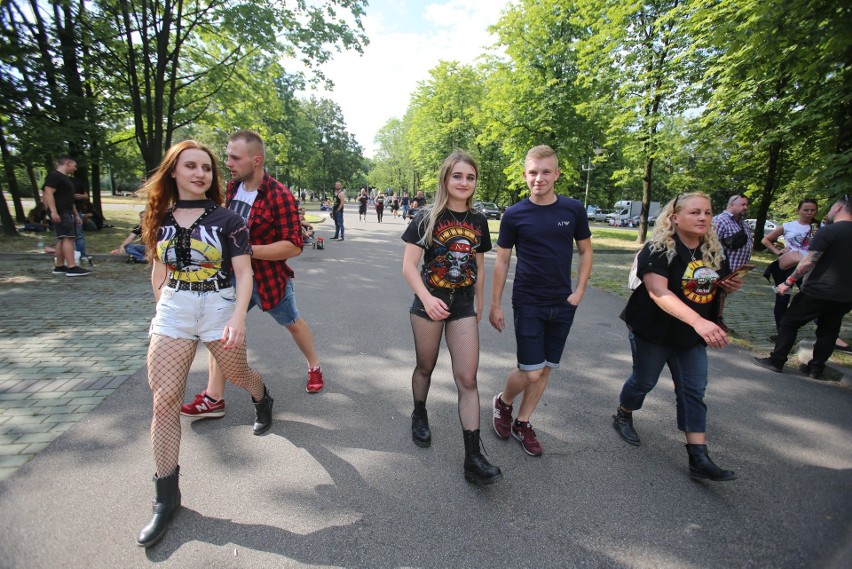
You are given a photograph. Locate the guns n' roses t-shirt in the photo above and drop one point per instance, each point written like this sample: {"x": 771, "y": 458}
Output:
{"x": 450, "y": 261}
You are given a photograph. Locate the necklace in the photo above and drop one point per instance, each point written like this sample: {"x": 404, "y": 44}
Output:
{"x": 692, "y": 252}
{"x": 459, "y": 221}
{"x": 190, "y": 204}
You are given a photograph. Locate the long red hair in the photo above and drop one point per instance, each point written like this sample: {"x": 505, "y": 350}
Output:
{"x": 162, "y": 191}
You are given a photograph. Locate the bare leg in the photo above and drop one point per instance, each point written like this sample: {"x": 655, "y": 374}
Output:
{"x": 304, "y": 339}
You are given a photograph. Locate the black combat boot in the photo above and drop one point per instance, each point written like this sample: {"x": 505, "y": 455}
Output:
{"x": 166, "y": 504}
{"x": 420, "y": 433}
{"x": 262, "y": 413}
{"x": 476, "y": 468}
{"x": 623, "y": 424}
{"x": 702, "y": 468}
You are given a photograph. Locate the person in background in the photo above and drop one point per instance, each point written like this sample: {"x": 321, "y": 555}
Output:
{"x": 59, "y": 199}
{"x": 452, "y": 240}
{"x": 136, "y": 251}
{"x": 362, "y": 199}
{"x": 337, "y": 211}
{"x": 380, "y": 207}
{"x": 672, "y": 318}
{"x": 736, "y": 239}
{"x": 270, "y": 211}
{"x": 825, "y": 273}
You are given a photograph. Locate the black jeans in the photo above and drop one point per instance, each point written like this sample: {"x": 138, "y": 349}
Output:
{"x": 803, "y": 309}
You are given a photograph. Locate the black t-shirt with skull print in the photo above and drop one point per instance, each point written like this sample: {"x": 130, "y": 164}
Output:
{"x": 449, "y": 262}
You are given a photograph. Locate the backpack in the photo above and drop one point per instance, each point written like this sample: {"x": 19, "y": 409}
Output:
{"x": 633, "y": 280}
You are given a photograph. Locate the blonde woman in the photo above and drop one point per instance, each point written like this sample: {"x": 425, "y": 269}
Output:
{"x": 672, "y": 319}
{"x": 452, "y": 239}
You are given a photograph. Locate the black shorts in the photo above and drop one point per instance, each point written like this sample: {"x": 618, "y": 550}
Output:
{"x": 459, "y": 302}
{"x": 67, "y": 226}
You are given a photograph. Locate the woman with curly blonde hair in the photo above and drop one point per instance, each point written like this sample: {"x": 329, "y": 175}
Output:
{"x": 672, "y": 319}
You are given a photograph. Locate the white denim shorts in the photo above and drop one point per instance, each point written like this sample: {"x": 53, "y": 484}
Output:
{"x": 193, "y": 315}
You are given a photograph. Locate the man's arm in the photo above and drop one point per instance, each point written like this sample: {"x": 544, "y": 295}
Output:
{"x": 290, "y": 244}
{"x": 498, "y": 283}
{"x": 584, "y": 249}
{"x": 50, "y": 203}
{"x": 805, "y": 266}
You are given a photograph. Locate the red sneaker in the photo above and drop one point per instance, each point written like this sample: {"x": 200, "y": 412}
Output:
{"x": 203, "y": 408}
{"x": 524, "y": 433}
{"x": 502, "y": 417}
{"x": 315, "y": 382}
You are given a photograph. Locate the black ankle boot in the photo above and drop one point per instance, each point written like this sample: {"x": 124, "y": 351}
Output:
{"x": 623, "y": 424}
{"x": 476, "y": 468}
{"x": 702, "y": 468}
{"x": 262, "y": 413}
{"x": 420, "y": 433}
{"x": 166, "y": 504}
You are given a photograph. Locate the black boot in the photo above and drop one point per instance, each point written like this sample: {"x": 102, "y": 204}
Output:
{"x": 262, "y": 413}
{"x": 702, "y": 468}
{"x": 476, "y": 468}
{"x": 623, "y": 424}
{"x": 420, "y": 433}
{"x": 166, "y": 504}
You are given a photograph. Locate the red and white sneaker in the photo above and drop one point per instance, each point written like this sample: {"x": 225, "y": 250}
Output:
{"x": 502, "y": 417}
{"x": 315, "y": 382}
{"x": 203, "y": 407}
{"x": 526, "y": 435}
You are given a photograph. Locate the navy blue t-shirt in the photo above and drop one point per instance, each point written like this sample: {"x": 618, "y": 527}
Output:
{"x": 543, "y": 237}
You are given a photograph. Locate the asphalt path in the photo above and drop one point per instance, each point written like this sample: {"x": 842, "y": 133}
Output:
{"x": 337, "y": 481}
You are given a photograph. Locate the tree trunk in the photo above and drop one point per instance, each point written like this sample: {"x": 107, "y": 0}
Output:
{"x": 9, "y": 168}
{"x": 9, "y": 228}
{"x": 767, "y": 194}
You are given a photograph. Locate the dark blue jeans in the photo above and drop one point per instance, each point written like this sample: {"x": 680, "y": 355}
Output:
{"x": 338, "y": 224}
{"x": 689, "y": 372}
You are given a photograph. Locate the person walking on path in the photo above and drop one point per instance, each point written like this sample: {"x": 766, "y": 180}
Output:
{"x": 735, "y": 237}
{"x": 363, "y": 198}
{"x": 452, "y": 240}
{"x": 403, "y": 202}
{"x": 194, "y": 245}
{"x": 276, "y": 235}
{"x": 337, "y": 211}
{"x": 59, "y": 199}
{"x": 543, "y": 229}
{"x": 672, "y": 319}
{"x": 380, "y": 207}
{"x": 825, "y": 293}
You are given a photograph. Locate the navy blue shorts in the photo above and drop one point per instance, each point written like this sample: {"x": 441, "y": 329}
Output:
{"x": 541, "y": 332}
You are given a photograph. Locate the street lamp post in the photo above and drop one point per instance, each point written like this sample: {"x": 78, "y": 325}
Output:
{"x": 588, "y": 170}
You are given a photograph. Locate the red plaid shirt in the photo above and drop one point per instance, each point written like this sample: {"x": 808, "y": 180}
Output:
{"x": 274, "y": 217}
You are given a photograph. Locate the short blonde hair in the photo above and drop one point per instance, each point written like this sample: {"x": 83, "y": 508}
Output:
{"x": 541, "y": 151}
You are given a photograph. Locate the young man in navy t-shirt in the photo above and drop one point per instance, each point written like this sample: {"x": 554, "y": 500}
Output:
{"x": 542, "y": 229}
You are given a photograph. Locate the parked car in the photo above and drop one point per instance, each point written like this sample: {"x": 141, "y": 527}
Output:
{"x": 596, "y": 214}
{"x": 488, "y": 209}
{"x": 768, "y": 225}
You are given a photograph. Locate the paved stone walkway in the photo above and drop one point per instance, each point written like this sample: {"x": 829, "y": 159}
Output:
{"x": 67, "y": 343}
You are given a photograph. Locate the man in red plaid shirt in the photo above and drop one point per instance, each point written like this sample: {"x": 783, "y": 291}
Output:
{"x": 276, "y": 235}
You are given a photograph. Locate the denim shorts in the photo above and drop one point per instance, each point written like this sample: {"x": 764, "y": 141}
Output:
{"x": 67, "y": 226}
{"x": 193, "y": 315}
{"x": 541, "y": 333}
{"x": 459, "y": 302}
{"x": 285, "y": 312}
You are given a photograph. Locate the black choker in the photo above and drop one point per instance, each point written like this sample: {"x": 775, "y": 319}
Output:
{"x": 193, "y": 204}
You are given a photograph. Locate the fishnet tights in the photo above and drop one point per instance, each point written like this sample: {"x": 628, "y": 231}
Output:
{"x": 169, "y": 360}
{"x": 462, "y": 337}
